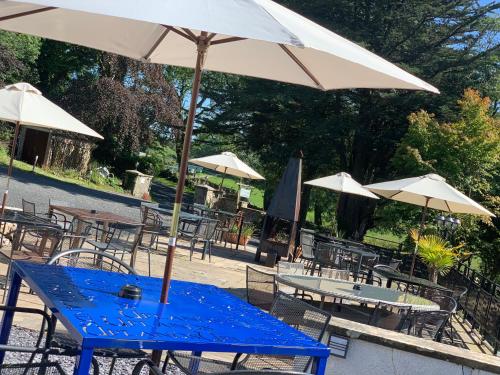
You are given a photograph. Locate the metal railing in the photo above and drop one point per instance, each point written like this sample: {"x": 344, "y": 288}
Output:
{"x": 480, "y": 304}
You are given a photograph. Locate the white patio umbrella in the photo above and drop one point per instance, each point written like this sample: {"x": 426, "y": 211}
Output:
{"x": 343, "y": 183}
{"x": 227, "y": 163}
{"x": 23, "y": 104}
{"x": 428, "y": 191}
{"x": 256, "y": 38}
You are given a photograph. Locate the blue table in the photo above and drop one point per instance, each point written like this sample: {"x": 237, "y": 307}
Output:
{"x": 198, "y": 317}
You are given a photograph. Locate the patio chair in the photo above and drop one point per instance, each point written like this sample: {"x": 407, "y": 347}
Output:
{"x": 96, "y": 260}
{"x": 120, "y": 239}
{"x": 428, "y": 324}
{"x": 30, "y": 209}
{"x": 150, "y": 234}
{"x": 154, "y": 370}
{"x": 21, "y": 362}
{"x": 261, "y": 288}
{"x": 292, "y": 311}
{"x": 390, "y": 317}
{"x": 335, "y": 274}
{"x": 290, "y": 268}
{"x": 61, "y": 218}
{"x": 36, "y": 242}
{"x": 307, "y": 244}
{"x": 75, "y": 237}
{"x": 329, "y": 255}
{"x": 205, "y": 233}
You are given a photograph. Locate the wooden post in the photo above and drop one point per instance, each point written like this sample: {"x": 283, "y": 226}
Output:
{"x": 9, "y": 172}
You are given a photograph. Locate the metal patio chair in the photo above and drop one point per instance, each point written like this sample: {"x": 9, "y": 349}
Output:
{"x": 292, "y": 311}
{"x": 205, "y": 233}
{"x": 307, "y": 244}
{"x": 394, "y": 318}
{"x": 329, "y": 255}
{"x": 261, "y": 288}
{"x": 96, "y": 260}
{"x": 150, "y": 234}
{"x": 290, "y": 268}
{"x": 154, "y": 370}
{"x": 36, "y": 360}
{"x": 428, "y": 324}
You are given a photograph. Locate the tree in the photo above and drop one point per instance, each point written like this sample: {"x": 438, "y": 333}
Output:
{"x": 447, "y": 43}
{"x": 467, "y": 153}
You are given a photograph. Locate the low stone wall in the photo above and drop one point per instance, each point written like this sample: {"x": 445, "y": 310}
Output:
{"x": 376, "y": 351}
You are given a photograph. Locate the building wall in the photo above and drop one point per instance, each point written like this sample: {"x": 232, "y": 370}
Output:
{"x": 374, "y": 359}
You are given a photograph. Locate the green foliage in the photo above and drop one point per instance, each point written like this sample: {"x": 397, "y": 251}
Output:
{"x": 159, "y": 159}
{"x": 18, "y": 55}
{"x": 246, "y": 231}
{"x": 435, "y": 253}
{"x": 466, "y": 152}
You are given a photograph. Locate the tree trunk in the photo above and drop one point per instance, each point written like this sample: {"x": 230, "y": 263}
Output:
{"x": 433, "y": 274}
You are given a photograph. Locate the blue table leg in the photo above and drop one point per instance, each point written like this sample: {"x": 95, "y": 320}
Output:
{"x": 194, "y": 364}
{"x": 8, "y": 316}
{"x": 83, "y": 362}
{"x": 321, "y": 365}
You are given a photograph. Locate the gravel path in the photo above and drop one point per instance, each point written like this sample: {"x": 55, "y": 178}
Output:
{"x": 40, "y": 189}
{"x": 26, "y": 337}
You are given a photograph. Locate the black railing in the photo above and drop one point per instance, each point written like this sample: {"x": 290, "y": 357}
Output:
{"x": 383, "y": 243}
{"x": 480, "y": 304}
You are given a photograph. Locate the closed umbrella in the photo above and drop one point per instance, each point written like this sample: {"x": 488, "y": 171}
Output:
{"x": 227, "y": 163}
{"x": 343, "y": 183}
{"x": 23, "y": 104}
{"x": 428, "y": 191}
{"x": 256, "y": 38}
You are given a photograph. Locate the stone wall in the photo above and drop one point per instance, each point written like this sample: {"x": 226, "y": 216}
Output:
{"x": 376, "y": 351}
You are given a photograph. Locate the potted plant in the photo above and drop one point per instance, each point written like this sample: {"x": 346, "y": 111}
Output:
{"x": 278, "y": 244}
{"x": 436, "y": 254}
{"x": 231, "y": 235}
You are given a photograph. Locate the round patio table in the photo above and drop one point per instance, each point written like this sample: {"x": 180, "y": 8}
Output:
{"x": 345, "y": 290}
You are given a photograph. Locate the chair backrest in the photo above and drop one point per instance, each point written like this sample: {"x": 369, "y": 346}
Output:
{"x": 300, "y": 315}
{"x": 91, "y": 259}
{"x": 261, "y": 288}
{"x": 79, "y": 231}
{"x": 42, "y": 240}
{"x": 333, "y": 273}
{"x": 28, "y": 207}
{"x": 332, "y": 255}
{"x": 125, "y": 237}
{"x": 459, "y": 292}
{"x": 207, "y": 228}
{"x": 445, "y": 302}
{"x": 395, "y": 263}
{"x": 428, "y": 324}
{"x": 384, "y": 267}
{"x": 431, "y": 293}
{"x": 394, "y": 318}
{"x": 290, "y": 268}
{"x": 307, "y": 244}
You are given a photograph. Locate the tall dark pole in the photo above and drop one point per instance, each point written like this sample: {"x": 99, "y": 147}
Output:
{"x": 421, "y": 229}
{"x": 202, "y": 46}
{"x": 9, "y": 172}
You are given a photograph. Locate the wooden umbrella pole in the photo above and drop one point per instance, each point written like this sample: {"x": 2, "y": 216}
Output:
{"x": 223, "y": 178}
{"x": 11, "y": 162}
{"x": 421, "y": 229}
{"x": 203, "y": 44}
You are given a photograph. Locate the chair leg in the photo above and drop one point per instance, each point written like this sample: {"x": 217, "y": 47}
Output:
{"x": 209, "y": 252}
{"x": 112, "y": 366}
{"x": 149, "y": 262}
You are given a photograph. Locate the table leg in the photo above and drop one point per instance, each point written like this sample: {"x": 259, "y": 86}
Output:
{"x": 8, "y": 316}
{"x": 83, "y": 362}
{"x": 389, "y": 283}
{"x": 321, "y": 365}
{"x": 194, "y": 364}
{"x": 322, "y": 302}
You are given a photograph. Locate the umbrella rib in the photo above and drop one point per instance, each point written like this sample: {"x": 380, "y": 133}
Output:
{"x": 190, "y": 33}
{"x": 156, "y": 44}
{"x": 179, "y": 32}
{"x": 447, "y": 205}
{"x": 302, "y": 66}
{"x": 227, "y": 40}
{"x": 27, "y": 13}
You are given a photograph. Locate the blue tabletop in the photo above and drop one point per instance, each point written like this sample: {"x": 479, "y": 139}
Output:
{"x": 198, "y": 317}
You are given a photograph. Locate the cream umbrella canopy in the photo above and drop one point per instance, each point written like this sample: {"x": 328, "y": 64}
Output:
{"x": 256, "y": 38}
{"x": 23, "y": 104}
{"x": 343, "y": 183}
{"x": 227, "y": 163}
{"x": 428, "y": 191}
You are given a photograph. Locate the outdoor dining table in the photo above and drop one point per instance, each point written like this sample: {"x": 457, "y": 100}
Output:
{"x": 404, "y": 278}
{"x": 346, "y": 290}
{"x": 198, "y": 317}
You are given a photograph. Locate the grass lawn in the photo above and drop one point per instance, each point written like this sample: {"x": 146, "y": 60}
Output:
{"x": 383, "y": 238}
{"x": 70, "y": 176}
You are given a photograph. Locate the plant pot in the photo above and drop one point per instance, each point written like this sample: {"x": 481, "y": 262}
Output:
{"x": 270, "y": 246}
{"x": 233, "y": 238}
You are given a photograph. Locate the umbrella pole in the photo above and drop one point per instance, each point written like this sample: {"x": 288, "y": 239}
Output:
{"x": 420, "y": 231}
{"x": 223, "y": 177}
{"x": 202, "y": 50}
{"x": 11, "y": 162}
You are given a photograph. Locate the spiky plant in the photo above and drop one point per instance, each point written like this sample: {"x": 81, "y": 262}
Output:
{"x": 436, "y": 253}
